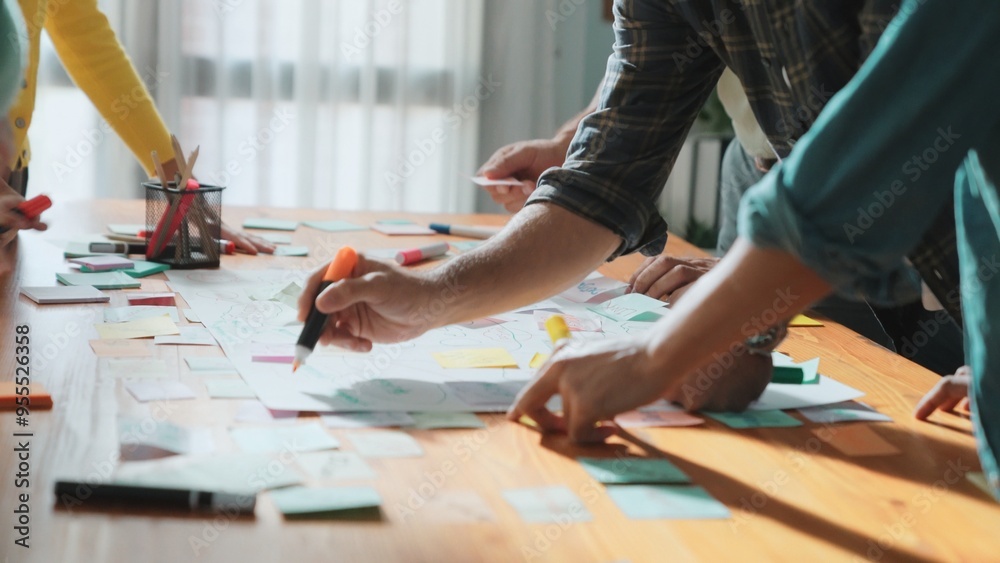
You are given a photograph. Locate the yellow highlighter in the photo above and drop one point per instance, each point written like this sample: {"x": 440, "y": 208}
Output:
{"x": 556, "y": 326}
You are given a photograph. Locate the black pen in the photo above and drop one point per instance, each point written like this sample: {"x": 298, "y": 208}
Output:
{"x": 69, "y": 493}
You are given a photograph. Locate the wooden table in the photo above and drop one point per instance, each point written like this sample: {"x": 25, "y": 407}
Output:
{"x": 786, "y": 504}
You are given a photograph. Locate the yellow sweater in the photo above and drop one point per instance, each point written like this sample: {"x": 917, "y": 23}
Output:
{"x": 94, "y": 58}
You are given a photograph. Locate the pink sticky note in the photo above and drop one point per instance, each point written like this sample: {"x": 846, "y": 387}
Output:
{"x": 163, "y": 299}
{"x": 103, "y": 263}
{"x": 638, "y": 419}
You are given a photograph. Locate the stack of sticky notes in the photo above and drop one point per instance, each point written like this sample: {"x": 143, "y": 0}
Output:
{"x": 101, "y": 280}
{"x": 102, "y": 263}
{"x": 64, "y": 294}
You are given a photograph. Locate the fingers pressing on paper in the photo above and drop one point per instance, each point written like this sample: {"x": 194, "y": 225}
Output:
{"x": 946, "y": 394}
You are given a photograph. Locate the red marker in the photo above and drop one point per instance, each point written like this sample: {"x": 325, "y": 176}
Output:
{"x": 31, "y": 208}
{"x": 414, "y": 255}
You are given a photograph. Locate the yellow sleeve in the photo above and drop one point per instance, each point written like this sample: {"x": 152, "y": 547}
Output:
{"x": 95, "y": 60}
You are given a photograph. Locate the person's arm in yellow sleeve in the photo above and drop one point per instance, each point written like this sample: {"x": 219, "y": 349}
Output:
{"x": 93, "y": 57}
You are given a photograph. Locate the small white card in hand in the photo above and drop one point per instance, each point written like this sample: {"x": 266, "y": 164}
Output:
{"x": 65, "y": 294}
{"x": 484, "y": 181}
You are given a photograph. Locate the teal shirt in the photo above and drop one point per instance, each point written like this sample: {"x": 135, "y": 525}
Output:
{"x": 12, "y": 52}
{"x": 918, "y": 125}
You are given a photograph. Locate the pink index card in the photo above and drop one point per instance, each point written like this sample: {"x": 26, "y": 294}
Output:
{"x": 484, "y": 181}
{"x": 274, "y": 355}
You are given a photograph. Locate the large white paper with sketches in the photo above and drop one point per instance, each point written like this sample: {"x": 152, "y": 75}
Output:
{"x": 234, "y": 306}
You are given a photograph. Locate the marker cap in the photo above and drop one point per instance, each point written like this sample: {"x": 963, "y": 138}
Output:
{"x": 35, "y": 206}
{"x": 404, "y": 257}
{"x": 342, "y": 265}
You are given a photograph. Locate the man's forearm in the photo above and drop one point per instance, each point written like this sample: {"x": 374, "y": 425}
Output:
{"x": 565, "y": 133}
{"x": 544, "y": 250}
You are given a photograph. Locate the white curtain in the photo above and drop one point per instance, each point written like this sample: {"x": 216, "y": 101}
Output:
{"x": 341, "y": 104}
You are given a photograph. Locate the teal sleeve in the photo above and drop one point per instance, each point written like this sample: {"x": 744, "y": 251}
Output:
{"x": 864, "y": 184}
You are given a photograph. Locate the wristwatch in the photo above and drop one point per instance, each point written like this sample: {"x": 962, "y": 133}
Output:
{"x": 764, "y": 343}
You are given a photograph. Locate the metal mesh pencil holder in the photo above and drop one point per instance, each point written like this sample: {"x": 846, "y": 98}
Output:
{"x": 183, "y": 227}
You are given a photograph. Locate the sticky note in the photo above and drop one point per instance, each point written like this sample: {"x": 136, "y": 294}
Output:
{"x": 666, "y": 502}
{"x": 385, "y": 443}
{"x": 102, "y": 263}
{"x": 273, "y": 358}
{"x": 270, "y": 224}
{"x": 210, "y": 363}
{"x": 38, "y": 396}
{"x": 229, "y": 389}
{"x": 125, "y": 314}
{"x": 133, "y": 368}
{"x": 345, "y": 466}
{"x": 476, "y": 358}
{"x": 802, "y": 320}
{"x": 317, "y": 501}
{"x": 848, "y": 411}
{"x": 334, "y": 226}
{"x": 622, "y": 470}
{"x": 657, "y": 419}
{"x": 547, "y": 505}
{"x": 100, "y": 280}
{"x": 189, "y": 336}
{"x": 291, "y": 251}
{"x": 402, "y": 230}
{"x": 142, "y": 328}
{"x": 484, "y": 181}
{"x": 158, "y": 390}
{"x": 372, "y": 419}
{"x": 161, "y": 298}
{"x": 191, "y": 316}
{"x": 594, "y": 289}
{"x": 65, "y": 294}
{"x": 394, "y": 222}
{"x": 456, "y": 507}
{"x": 538, "y": 360}
{"x": 465, "y": 245}
{"x": 141, "y": 269}
{"x": 857, "y": 440}
{"x": 121, "y": 348}
{"x": 298, "y": 438}
{"x": 223, "y": 472}
{"x": 147, "y": 438}
{"x": 756, "y": 419}
{"x": 437, "y": 419}
{"x": 627, "y": 306}
{"x": 255, "y": 411}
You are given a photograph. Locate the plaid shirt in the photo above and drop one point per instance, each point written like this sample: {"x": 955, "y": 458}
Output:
{"x": 791, "y": 56}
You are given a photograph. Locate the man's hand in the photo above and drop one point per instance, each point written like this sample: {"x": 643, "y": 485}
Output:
{"x": 525, "y": 161}
{"x": 667, "y": 277}
{"x": 251, "y": 244}
{"x": 597, "y": 380}
{"x": 739, "y": 385}
{"x": 380, "y": 302}
{"x": 11, "y": 220}
{"x": 946, "y": 395}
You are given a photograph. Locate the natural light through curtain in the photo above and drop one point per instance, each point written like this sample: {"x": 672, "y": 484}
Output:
{"x": 343, "y": 104}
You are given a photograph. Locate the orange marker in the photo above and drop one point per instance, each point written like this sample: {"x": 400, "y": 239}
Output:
{"x": 340, "y": 268}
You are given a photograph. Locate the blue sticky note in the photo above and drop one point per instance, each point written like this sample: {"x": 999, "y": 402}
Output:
{"x": 666, "y": 502}
{"x": 298, "y": 501}
{"x": 756, "y": 419}
{"x": 628, "y": 306}
{"x": 633, "y": 470}
{"x": 547, "y": 505}
{"x": 270, "y": 224}
{"x": 394, "y": 222}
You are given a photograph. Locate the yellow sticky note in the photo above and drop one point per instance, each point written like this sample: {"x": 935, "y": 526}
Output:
{"x": 538, "y": 359}
{"x": 476, "y": 358}
{"x": 802, "y": 320}
{"x": 142, "y": 328}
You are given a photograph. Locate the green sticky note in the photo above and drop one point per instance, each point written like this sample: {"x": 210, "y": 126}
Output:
{"x": 335, "y": 226}
{"x": 466, "y": 245}
{"x": 633, "y": 470}
{"x": 141, "y": 269}
{"x": 647, "y": 317}
{"x": 100, "y": 280}
{"x": 787, "y": 374}
{"x": 394, "y": 222}
{"x": 756, "y": 419}
{"x": 627, "y": 307}
{"x": 223, "y": 472}
{"x": 331, "y": 501}
{"x": 429, "y": 420}
{"x": 291, "y": 251}
{"x": 667, "y": 502}
{"x": 270, "y": 224}
{"x": 784, "y": 370}
{"x": 229, "y": 389}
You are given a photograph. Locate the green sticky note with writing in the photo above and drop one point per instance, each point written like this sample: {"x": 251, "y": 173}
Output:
{"x": 326, "y": 501}
{"x": 756, "y": 419}
{"x": 100, "y": 280}
{"x": 666, "y": 502}
{"x": 626, "y": 470}
{"x": 270, "y": 224}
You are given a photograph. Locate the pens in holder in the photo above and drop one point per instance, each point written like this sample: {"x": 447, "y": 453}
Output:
{"x": 31, "y": 209}
{"x": 340, "y": 268}
{"x": 414, "y": 255}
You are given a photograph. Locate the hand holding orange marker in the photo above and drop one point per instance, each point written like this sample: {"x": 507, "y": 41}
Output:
{"x": 340, "y": 268}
